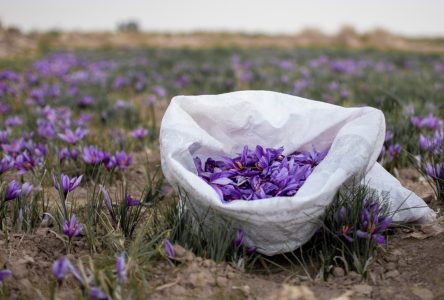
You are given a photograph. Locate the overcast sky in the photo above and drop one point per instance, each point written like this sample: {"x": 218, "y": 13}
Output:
{"x": 409, "y": 17}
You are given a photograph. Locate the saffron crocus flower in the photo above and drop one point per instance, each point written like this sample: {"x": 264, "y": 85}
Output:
{"x": 98, "y": 294}
{"x": 169, "y": 249}
{"x": 71, "y": 227}
{"x": 5, "y": 164}
{"x": 73, "y": 137}
{"x": 24, "y": 162}
{"x": 409, "y": 109}
{"x": 431, "y": 144}
{"x": 436, "y": 171}
{"x": 85, "y": 101}
{"x": 60, "y": 268}
{"x": 388, "y": 136}
{"x": 4, "y": 135}
{"x": 5, "y": 273}
{"x": 394, "y": 151}
{"x": 130, "y": 201}
{"x": 13, "y": 190}
{"x": 109, "y": 161}
{"x": 84, "y": 118}
{"x": 424, "y": 143}
{"x": 122, "y": 160}
{"x": 139, "y": 133}
{"x": 373, "y": 222}
{"x": 344, "y": 230}
{"x": 251, "y": 250}
{"x": 106, "y": 199}
{"x": 121, "y": 267}
{"x": 68, "y": 184}
{"x": 15, "y": 147}
{"x": 46, "y": 129}
{"x": 239, "y": 238}
{"x": 431, "y": 122}
{"x": 13, "y": 121}
{"x": 26, "y": 189}
{"x": 64, "y": 154}
{"x": 159, "y": 91}
{"x": 92, "y": 155}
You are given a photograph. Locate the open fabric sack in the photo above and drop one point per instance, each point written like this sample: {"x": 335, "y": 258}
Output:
{"x": 220, "y": 125}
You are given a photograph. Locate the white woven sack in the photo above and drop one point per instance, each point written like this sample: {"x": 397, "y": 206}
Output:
{"x": 216, "y": 125}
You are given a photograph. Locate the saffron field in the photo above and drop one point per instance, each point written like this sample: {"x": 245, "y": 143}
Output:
{"x": 85, "y": 212}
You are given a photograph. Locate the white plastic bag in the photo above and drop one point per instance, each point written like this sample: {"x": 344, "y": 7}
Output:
{"x": 216, "y": 125}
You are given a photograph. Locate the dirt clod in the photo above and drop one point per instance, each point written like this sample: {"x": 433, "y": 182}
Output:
{"x": 289, "y": 292}
{"x": 423, "y": 293}
{"x": 363, "y": 289}
{"x": 392, "y": 274}
{"x": 338, "y": 272}
{"x": 390, "y": 266}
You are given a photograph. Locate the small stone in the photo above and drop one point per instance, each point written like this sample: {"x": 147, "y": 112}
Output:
{"x": 19, "y": 270}
{"x": 231, "y": 275}
{"x": 26, "y": 288}
{"x": 201, "y": 279}
{"x": 193, "y": 267}
{"x": 397, "y": 252}
{"x": 391, "y": 258}
{"x": 26, "y": 260}
{"x": 221, "y": 281}
{"x": 229, "y": 268}
{"x": 373, "y": 277}
{"x": 423, "y": 293}
{"x": 208, "y": 263}
{"x": 245, "y": 289}
{"x": 402, "y": 263}
{"x": 179, "y": 251}
{"x": 289, "y": 292}
{"x": 378, "y": 269}
{"x": 428, "y": 197}
{"x": 392, "y": 274}
{"x": 390, "y": 266}
{"x": 189, "y": 256}
{"x": 363, "y": 289}
{"x": 354, "y": 275}
{"x": 338, "y": 272}
{"x": 177, "y": 290}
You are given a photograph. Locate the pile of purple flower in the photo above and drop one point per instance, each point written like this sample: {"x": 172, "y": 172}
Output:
{"x": 258, "y": 174}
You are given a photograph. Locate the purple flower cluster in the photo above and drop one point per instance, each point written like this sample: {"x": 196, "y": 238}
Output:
{"x": 14, "y": 190}
{"x": 62, "y": 267}
{"x": 260, "y": 173}
{"x": 390, "y": 150}
{"x": 22, "y": 154}
{"x": 373, "y": 222}
{"x": 430, "y": 122}
{"x": 93, "y": 156}
{"x": 435, "y": 171}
